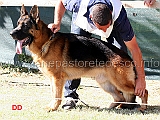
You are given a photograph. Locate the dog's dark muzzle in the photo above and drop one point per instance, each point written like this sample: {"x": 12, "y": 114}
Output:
{"x": 22, "y": 38}
{"x": 18, "y": 34}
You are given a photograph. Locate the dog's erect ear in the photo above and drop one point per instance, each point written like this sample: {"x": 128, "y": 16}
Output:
{"x": 23, "y": 11}
{"x": 34, "y": 12}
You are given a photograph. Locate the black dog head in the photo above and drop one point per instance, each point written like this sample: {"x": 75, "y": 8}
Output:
{"x": 27, "y": 25}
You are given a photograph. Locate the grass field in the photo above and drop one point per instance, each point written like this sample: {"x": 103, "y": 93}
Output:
{"x": 32, "y": 92}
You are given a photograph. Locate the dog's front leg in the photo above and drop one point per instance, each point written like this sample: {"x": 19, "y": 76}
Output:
{"x": 56, "y": 89}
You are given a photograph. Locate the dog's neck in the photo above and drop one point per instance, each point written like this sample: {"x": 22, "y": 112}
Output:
{"x": 40, "y": 38}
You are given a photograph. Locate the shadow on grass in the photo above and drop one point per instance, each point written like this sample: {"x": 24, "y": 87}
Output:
{"x": 150, "y": 110}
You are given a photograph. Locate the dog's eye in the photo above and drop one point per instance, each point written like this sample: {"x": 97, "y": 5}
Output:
{"x": 25, "y": 25}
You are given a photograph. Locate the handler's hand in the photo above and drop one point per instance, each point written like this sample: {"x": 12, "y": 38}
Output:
{"x": 54, "y": 27}
{"x": 149, "y": 2}
{"x": 140, "y": 87}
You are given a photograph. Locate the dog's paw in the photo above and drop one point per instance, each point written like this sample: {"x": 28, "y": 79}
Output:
{"x": 49, "y": 109}
{"x": 142, "y": 108}
{"x": 53, "y": 105}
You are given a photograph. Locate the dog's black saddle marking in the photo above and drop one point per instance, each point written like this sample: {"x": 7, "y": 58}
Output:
{"x": 87, "y": 49}
{"x": 90, "y": 49}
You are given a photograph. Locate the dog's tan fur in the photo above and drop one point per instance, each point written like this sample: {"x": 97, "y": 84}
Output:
{"x": 47, "y": 50}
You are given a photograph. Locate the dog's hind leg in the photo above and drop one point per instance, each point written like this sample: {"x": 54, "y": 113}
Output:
{"x": 118, "y": 97}
{"x": 128, "y": 93}
{"x": 112, "y": 90}
{"x": 130, "y": 98}
{"x": 144, "y": 101}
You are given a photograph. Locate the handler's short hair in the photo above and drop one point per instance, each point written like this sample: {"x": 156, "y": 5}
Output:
{"x": 101, "y": 14}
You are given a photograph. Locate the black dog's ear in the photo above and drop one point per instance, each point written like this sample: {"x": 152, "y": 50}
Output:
{"x": 23, "y": 11}
{"x": 34, "y": 12}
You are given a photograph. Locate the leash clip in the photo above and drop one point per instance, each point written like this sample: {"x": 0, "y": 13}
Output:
{"x": 52, "y": 36}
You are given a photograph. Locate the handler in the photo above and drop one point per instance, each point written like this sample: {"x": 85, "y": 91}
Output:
{"x": 106, "y": 18}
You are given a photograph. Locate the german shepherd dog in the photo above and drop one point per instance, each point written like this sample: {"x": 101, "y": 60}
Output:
{"x": 66, "y": 56}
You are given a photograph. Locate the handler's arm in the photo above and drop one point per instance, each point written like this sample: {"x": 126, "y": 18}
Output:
{"x": 149, "y": 2}
{"x": 58, "y": 14}
{"x": 137, "y": 58}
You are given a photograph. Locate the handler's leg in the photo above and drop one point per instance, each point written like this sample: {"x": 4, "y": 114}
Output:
{"x": 70, "y": 93}
{"x": 72, "y": 85}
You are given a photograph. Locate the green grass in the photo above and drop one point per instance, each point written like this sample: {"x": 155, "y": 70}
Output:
{"x": 33, "y": 93}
